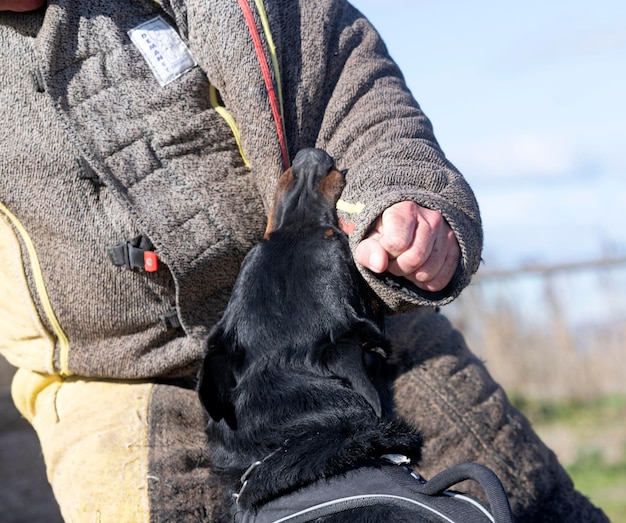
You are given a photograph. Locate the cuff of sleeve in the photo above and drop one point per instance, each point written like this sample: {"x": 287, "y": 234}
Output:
{"x": 397, "y": 293}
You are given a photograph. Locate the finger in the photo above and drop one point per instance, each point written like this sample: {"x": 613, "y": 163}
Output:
{"x": 397, "y": 228}
{"x": 438, "y": 279}
{"x": 371, "y": 254}
{"x": 417, "y": 254}
{"x": 441, "y": 241}
{"x": 432, "y": 259}
{"x": 422, "y": 247}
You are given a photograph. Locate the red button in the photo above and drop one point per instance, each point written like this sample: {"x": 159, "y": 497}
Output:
{"x": 150, "y": 261}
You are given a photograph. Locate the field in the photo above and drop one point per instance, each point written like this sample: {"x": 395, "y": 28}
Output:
{"x": 555, "y": 339}
{"x": 590, "y": 439}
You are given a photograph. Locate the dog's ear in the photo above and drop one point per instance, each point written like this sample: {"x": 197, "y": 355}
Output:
{"x": 217, "y": 378}
{"x": 346, "y": 361}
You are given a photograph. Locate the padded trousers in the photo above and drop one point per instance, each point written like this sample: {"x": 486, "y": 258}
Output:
{"x": 135, "y": 451}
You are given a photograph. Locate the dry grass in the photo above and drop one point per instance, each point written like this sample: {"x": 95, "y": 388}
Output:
{"x": 555, "y": 340}
{"x": 550, "y": 335}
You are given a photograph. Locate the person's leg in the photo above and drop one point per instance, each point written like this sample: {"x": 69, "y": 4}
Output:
{"x": 181, "y": 487}
{"x": 444, "y": 390}
{"x": 120, "y": 451}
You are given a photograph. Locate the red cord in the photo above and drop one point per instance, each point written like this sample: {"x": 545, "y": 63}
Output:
{"x": 267, "y": 77}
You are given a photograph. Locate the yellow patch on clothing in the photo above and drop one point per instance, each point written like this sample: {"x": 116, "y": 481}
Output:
{"x": 94, "y": 439}
{"x": 350, "y": 208}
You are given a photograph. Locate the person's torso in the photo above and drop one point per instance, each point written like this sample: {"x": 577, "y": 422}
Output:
{"x": 205, "y": 214}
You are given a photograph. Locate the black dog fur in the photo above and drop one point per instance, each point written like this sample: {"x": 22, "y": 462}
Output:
{"x": 295, "y": 373}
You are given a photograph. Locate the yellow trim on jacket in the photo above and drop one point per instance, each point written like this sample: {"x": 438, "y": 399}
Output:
{"x": 11, "y": 228}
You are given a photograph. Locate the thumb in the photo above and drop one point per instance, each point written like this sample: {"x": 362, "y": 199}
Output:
{"x": 371, "y": 255}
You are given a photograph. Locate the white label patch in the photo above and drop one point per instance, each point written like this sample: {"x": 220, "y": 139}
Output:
{"x": 166, "y": 54}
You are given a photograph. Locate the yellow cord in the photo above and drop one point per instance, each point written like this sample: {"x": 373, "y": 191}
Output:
{"x": 270, "y": 42}
{"x": 221, "y": 110}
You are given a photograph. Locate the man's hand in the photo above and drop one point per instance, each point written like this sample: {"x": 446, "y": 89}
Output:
{"x": 20, "y": 5}
{"x": 414, "y": 242}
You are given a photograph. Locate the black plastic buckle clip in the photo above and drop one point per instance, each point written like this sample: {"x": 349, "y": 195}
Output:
{"x": 137, "y": 253}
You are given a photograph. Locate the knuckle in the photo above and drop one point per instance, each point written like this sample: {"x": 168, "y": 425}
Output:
{"x": 413, "y": 259}
{"x": 436, "y": 219}
{"x": 395, "y": 243}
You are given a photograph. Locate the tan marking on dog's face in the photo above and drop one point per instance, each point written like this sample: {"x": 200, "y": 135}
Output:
{"x": 285, "y": 182}
{"x": 331, "y": 185}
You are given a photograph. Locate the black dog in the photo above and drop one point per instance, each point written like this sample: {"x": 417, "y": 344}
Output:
{"x": 294, "y": 377}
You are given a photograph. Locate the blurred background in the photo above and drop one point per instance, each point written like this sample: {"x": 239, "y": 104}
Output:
{"x": 527, "y": 100}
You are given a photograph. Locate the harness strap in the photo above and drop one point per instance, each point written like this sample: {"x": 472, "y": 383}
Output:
{"x": 393, "y": 486}
{"x": 336, "y": 506}
{"x": 490, "y": 483}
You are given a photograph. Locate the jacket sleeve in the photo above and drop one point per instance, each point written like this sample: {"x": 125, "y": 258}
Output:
{"x": 372, "y": 125}
{"x": 343, "y": 93}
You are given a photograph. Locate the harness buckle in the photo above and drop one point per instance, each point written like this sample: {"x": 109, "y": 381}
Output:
{"x": 244, "y": 478}
{"x": 397, "y": 459}
{"x": 137, "y": 253}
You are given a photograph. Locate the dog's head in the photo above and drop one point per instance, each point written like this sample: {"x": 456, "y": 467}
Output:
{"x": 300, "y": 303}
{"x": 306, "y": 194}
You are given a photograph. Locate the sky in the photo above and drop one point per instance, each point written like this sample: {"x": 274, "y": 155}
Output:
{"x": 527, "y": 99}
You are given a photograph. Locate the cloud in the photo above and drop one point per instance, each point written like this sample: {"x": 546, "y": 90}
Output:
{"x": 552, "y": 222}
{"x": 518, "y": 156}
{"x": 603, "y": 41}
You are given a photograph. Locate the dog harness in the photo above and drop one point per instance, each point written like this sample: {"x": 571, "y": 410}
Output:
{"x": 390, "y": 485}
